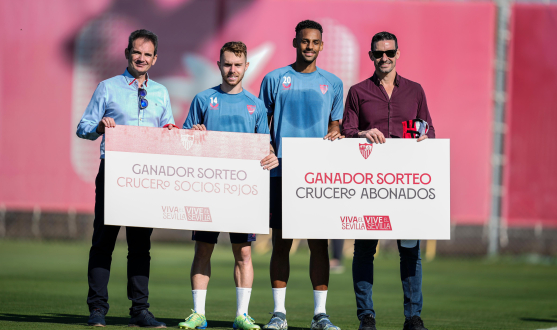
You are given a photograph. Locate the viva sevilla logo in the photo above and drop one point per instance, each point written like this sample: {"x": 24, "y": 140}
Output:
{"x": 202, "y": 214}
{"x": 377, "y": 222}
{"x": 365, "y": 149}
{"x": 189, "y": 213}
{"x": 324, "y": 88}
{"x": 251, "y": 109}
{"x": 187, "y": 140}
{"x": 367, "y": 222}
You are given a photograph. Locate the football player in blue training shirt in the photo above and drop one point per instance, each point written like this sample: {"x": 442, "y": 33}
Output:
{"x": 228, "y": 108}
{"x": 302, "y": 100}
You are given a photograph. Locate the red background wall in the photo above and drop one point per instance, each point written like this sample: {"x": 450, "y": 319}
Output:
{"x": 55, "y": 53}
{"x": 531, "y": 169}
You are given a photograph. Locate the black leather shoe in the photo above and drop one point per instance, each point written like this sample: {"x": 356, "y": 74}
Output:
{"x": 96, "y": 318}
{"x": 414, "y": 323}
{"x": 145, "y": 319}
{"x": 367, "y": 323}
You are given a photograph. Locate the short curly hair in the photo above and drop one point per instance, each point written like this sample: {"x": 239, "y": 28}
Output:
{"x": 236, "y": 47}
{"x": 308, "y": 24}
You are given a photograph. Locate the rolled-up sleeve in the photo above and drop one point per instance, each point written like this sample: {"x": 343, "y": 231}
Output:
{"x": 350, "y": 119}
{"x": 87, "y": 127}
{"x": 423, "y": 112}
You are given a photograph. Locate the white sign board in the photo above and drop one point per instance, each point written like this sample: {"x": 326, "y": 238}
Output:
{"x": 352, "y": 189}
{"x": 185, "y": 179}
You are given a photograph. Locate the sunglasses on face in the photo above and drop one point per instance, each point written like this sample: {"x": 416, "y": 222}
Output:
{"x": 379, "y": 53}
{"x": 143, "y": 103}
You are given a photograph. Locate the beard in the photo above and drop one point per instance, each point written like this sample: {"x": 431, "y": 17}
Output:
{"x": 309, "y": 61}
{"x": 224, "y": 78}
{"x": 378, "y": 66}
{"x": 306, "y": 59}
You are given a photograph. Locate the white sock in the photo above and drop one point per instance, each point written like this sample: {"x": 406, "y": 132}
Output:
{"x": 319, "y": 301}
{"x": 199, "y": 301}
{"x": 242, "y": 300}
{"x": 279, "y": 296}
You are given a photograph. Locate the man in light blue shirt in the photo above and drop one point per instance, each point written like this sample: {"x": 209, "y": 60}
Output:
{"x": 302, "y": 100}
{"x": 229, "y": 108}
{"x": 128, "y": 99}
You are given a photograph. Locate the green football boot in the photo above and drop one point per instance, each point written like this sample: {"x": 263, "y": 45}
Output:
{"x": 244, "y": 322}
{"x": 194, "y": 321}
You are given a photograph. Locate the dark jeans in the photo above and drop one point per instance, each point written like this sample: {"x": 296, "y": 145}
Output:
{"x": 410, "y": 275}
{"x": 100, "y": 257}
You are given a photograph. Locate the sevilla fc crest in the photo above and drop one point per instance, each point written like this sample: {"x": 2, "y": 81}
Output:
{"x": 251, "y": 109}
{"x": 187, "y": 140}
{"x": 324, "y": 88}
{"x": 365, "y": 149}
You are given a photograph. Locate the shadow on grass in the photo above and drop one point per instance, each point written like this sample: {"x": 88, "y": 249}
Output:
{"x": 228, "y": 325}
{"x": 110, "y": 320}
{"x": 532, "y": 319}
{"x": 81, "y": 319}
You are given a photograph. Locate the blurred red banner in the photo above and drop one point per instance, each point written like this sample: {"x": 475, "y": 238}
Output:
{"x": 530, "y": 178}
{"x": 58, "y": 51}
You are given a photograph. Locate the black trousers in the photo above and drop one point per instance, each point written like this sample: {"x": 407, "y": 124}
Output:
{"x": 100, "y": 257}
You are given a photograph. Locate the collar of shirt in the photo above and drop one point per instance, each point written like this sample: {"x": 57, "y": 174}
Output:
{"x": 131, "y": 80}
{"x": 377, "y": 82}
{"x": 219, "y": 89}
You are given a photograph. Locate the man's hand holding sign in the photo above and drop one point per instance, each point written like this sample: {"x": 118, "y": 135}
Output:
{"x": 389, "y": 106}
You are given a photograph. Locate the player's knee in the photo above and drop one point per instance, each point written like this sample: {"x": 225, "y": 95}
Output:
{"x": 282, "y": 246}
{"x": 243, "y": 254}
{"x": 203, "y": 250}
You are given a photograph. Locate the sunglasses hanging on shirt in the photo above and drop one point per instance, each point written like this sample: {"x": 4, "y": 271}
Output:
{"x": 379, "y": 53}
{"x": 143, "y": 103}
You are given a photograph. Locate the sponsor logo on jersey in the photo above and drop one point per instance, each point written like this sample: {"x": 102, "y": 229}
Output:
{"x": 365, "y": 149}
{"x": 214, "y": 103}
{"x": 286, "y": 83}
{"x": 251, "y": 109}
{"x": 324, "y": 88}
{"x": 187, "y": 140}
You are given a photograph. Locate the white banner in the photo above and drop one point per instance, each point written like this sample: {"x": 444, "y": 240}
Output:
{"x": 351, "y": 189}
{"x": 184, "y": 179}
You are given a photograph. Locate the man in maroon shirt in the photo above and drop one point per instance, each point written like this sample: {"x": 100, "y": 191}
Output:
{"x": 375, "y": 109}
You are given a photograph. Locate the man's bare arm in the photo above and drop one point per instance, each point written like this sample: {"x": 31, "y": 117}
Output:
{"x": 333, "y": 132}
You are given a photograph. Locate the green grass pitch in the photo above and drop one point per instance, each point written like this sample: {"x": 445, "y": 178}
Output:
{"x": 43, "y": 285}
